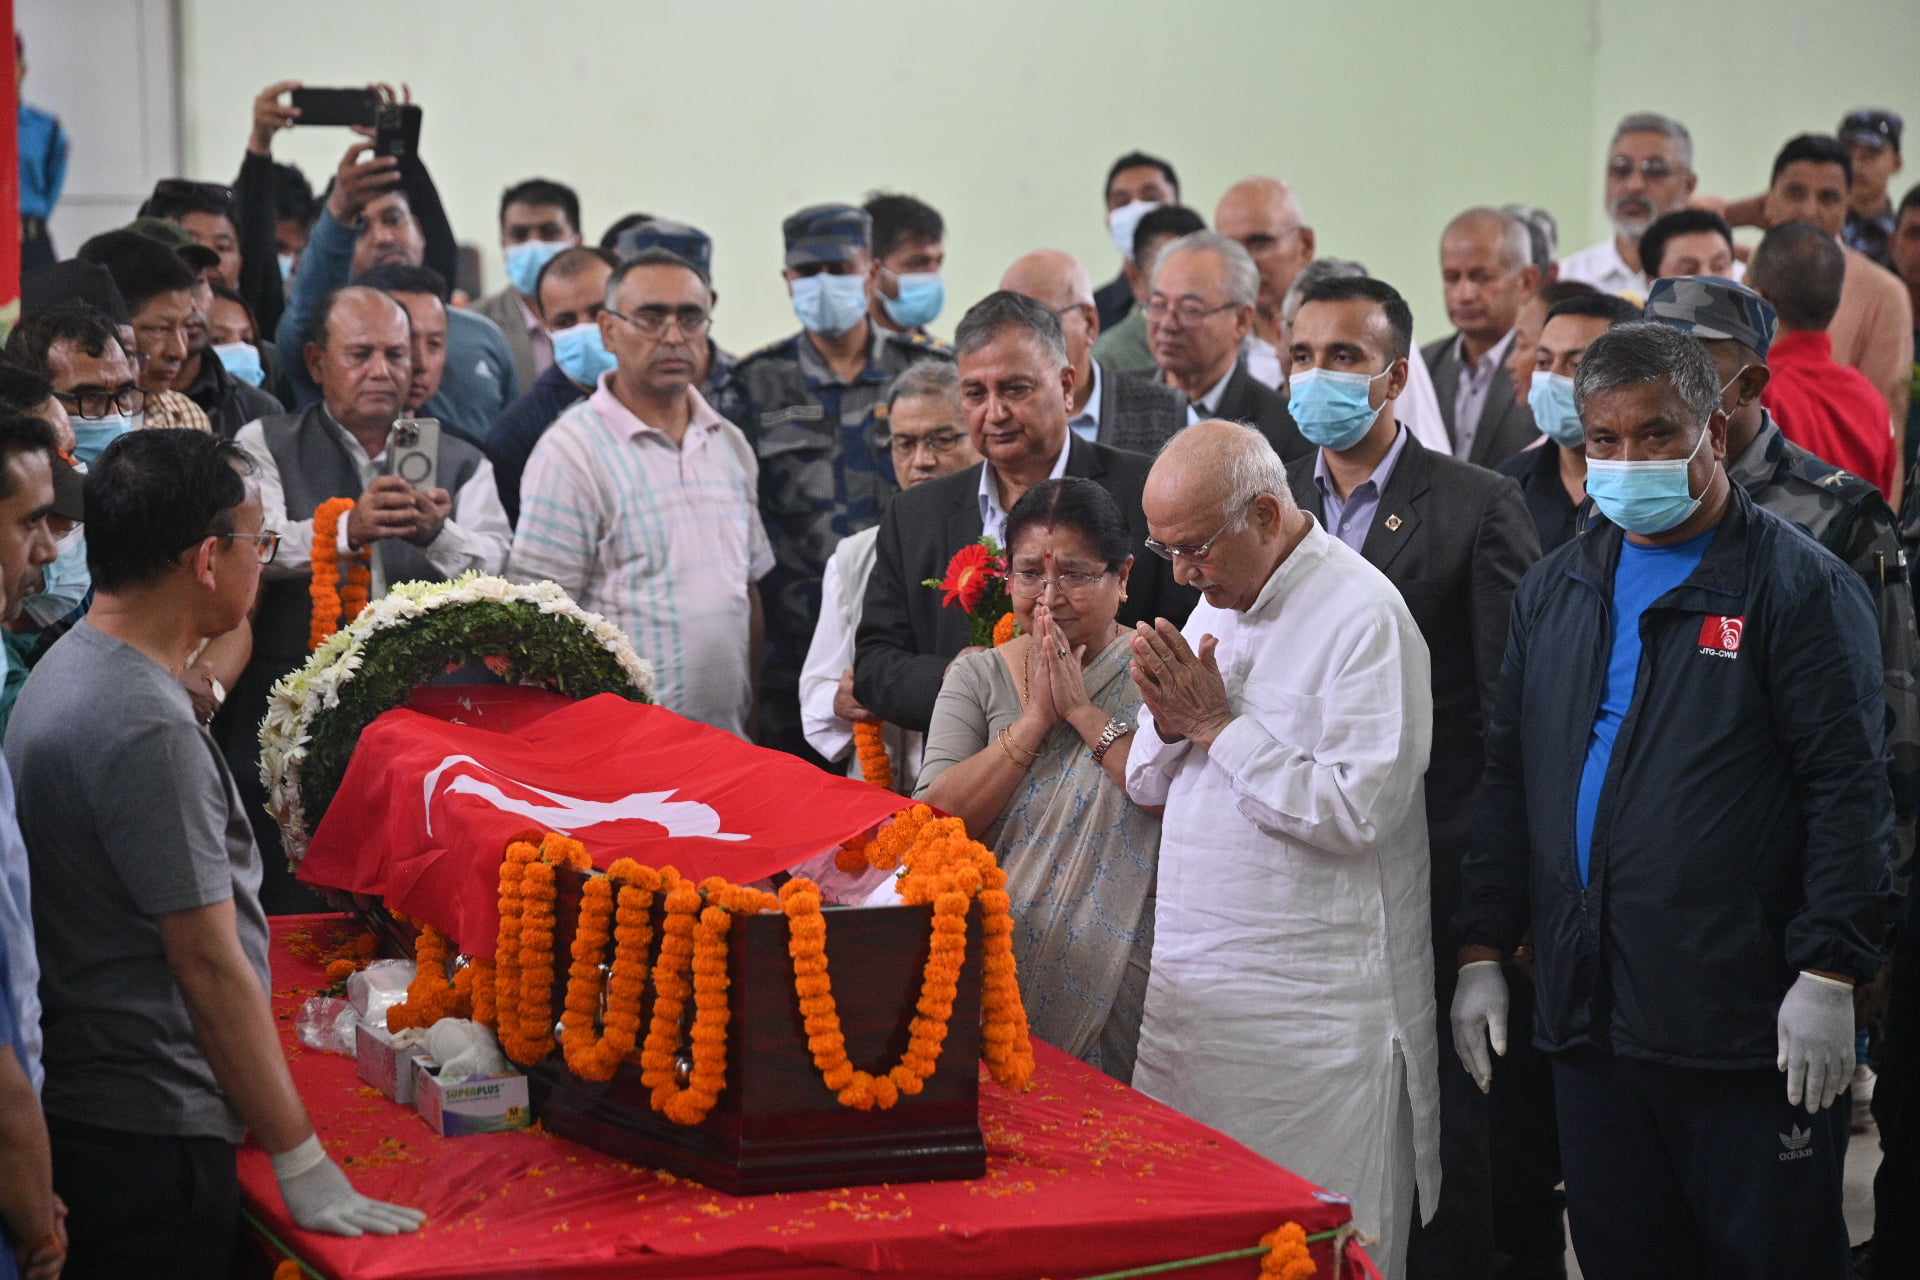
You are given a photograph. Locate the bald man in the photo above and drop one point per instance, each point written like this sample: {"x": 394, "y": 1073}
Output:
{"x": 1262, "y": 214}
{"x": 1290, "y": 1002}
{"x": 1119, "y": 410}
{"x": 1486, "y": 266}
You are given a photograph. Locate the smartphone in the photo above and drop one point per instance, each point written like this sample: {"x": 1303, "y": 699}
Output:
{"x": 413, "y": 451}
{"x": 337, "y": 107}
{"x": 397, "y": 130}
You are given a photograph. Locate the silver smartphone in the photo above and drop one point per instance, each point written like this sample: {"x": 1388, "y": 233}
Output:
{"x": 413, "y": 451}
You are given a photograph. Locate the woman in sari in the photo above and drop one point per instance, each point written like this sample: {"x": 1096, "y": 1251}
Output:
{"x": 1028, "y": 744}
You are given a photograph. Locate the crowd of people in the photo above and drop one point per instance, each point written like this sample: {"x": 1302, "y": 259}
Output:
{"x": 1481, "y": 776}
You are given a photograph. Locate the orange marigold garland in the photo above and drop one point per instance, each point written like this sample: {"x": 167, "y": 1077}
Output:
{"x": 1287, "y": 1258}
{"x": 1006, "y": 629}
{"x": 597, "y": 1057}
{"x": 870, "y": 744}
{"x": 334, "y": 605}
{"x": 506, "y": 951}
{"x": 670, "y": 986}
{"x": 430, "y": 996}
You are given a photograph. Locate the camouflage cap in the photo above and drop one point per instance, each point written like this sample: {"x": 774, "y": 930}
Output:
{"x": 1713, "y": 307}
{"x": 677, "y": 238}
{"x": 826, "y": 233}
{"x": 1875, "y": 126}
{"x": 175, "y": 237}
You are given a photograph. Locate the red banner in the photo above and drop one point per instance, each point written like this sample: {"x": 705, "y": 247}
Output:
{"x": 435, "y": 792}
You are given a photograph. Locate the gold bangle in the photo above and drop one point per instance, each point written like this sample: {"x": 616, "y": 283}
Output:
{"x": 1014, "y": 752}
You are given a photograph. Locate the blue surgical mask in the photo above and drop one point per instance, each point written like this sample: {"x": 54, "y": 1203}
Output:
{"x": 91, "y": 436}
{"x": 66, "y": 582}
{"x": 286, "y": 268}
{"x": 525, "y": 259}
{"x": 828, "y": 304}
{"x": 242, "y": 360}
{"x": 582, "y": 354}
{"x": 1333, "y": 409}
{"x": 922, "y": 294}
{"x": 1550, "y": 396}
{"x": 1122, "y": 222}
{"x": 1644, "y": 497}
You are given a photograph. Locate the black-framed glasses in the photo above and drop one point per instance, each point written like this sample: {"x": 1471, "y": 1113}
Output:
{"x": 266, "y": 542}
{"x": 1168, "y": 551}
{"x": 1188, "y": 311}
{"x": 653, "y": 321}
{"x": 1653, "y": 169}
{"x": 93, "y": 403}
{"x": 939, "y": 443}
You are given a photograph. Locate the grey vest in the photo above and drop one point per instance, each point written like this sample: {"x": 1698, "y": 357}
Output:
{"x": 314, "y": 466}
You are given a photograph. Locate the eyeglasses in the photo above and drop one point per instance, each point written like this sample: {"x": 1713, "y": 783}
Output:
{"x": 653, "y": 321}
{"x": 266, "y": 542}
{"x": 1189, "y": 311}
{"x": 1653, "y": 170}
{"x": 938, "y": 443}
{"x": 1167, "y": 551}
{"x": 93, "y": 403}
{"x": 1031, "y": 582}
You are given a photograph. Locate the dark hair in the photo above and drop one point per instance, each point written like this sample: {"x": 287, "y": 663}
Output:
{"x": 1367, "y": 289}
{"x": 1073, "y": 503}
{"x": 898, "y": 219}
{"x": 225, "y": 294}
{"x": 323, "y": 318}
{"x": 86, "y": 327}
{"x": 1799, "y": 269}
{"x": 1681, "y": 222}
{"x": 152, "y": 495}
{"x": 1598, "y": 306}
{"x": 1560, "y": 290}
{"x": 1911, "y": 200}
{"x": 1134, "y": 160}
{"x": 571, "y": 263}
{"x": 174, "y": 198}
{"x": 398, "y": 277}
{"x": 1645, "y": 353}
{"x": 22, "y": 433}
{"x": 654, "y": 256}
{"x": 1813, "y": 148}
{"x": 142, "y": 269}
{"x": 1004, "y": 309}
{"x": 611, "y": 236}
{"x": 293, "y": 195}
{"x": 22, "y": 390}
{"x": 542, "y": 191}
{"x": 1173, "y": 220}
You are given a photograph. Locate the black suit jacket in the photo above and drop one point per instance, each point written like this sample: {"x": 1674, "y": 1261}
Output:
{"x": 1138, "y": 414}
{"x": 1113, "y": 300}
{"x": 1506, "y": 425}
{"x": 1247, "y": 399}
{"x": 906, "y": 638}
{"x": 1455, "y": 539}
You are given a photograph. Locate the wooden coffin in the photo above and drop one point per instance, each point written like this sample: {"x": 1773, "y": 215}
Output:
{"x": 776, "y": 1126}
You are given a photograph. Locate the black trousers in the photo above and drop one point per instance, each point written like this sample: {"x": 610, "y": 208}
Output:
{"x": 1529, "y": 1238}
{"x": 1674, "y": 1171}
{"x": 1896, "y": 1110}
{"x": 141, "y": 1205}
{"x": 1458, "y": 1242}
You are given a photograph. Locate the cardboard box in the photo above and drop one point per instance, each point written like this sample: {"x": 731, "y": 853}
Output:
{"x": 384, "y": 1063}
{"x": 478, "y": 1104}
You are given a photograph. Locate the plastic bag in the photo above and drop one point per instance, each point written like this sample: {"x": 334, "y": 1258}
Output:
{"x": 464, "y": 1049}
{"x": 379, "y": 987}
{"x": 327, "y": 1024}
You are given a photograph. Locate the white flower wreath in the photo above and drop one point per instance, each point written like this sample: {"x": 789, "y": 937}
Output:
{"x": 298, "y": 710}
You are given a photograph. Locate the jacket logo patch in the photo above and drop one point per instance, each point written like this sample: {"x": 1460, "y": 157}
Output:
{"x": 1720, "y": 637}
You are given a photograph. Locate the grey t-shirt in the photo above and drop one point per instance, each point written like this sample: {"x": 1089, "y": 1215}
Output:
{"x": 129, "y": 814}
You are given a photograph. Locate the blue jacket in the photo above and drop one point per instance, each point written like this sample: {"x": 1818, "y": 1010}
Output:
{"x": 1745, "y": 822}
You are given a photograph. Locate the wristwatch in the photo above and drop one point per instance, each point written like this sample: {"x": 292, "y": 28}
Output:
{"x": 1116, "y": 729}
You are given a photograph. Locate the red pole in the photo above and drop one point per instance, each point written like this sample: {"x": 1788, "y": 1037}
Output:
{"x": 9, "y": 181}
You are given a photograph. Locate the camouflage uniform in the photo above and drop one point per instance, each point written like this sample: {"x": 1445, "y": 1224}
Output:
{"x": 821, "y": 475}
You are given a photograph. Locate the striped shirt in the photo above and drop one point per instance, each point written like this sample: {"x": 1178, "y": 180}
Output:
{"x": 662, "y": 540}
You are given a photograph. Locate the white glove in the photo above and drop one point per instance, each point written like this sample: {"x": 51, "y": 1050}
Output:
{"x": 1816, "y": 1040}
{"x": 1480, "y": 1014}
{"x": 321, "y": 1199}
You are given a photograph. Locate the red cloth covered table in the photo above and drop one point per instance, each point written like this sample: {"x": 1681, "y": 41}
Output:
{"x": 1084, "y": 1176}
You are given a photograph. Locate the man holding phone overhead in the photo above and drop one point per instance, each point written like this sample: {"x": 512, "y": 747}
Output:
{"x": 424, "y": 507}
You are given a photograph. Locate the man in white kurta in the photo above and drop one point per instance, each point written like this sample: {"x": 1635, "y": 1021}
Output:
{"x": 1287, "y": 733}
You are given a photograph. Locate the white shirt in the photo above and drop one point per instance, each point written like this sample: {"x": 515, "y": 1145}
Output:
{"x": 476, "y": 536}
{"x": 1086, "y": 423}
{"x": 1291, "y": 1000}
{"x": 1263, "y": 361}
{"x": 1470, "y": 395}
{"x": 1601, "y": 266}
{"x": 664, "y": 540}
{"x": 843, "y": 594}
{"x": 993, "y": 521}
{"x": 1208, "y": 405}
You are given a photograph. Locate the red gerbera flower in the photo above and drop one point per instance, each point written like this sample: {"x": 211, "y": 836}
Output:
{"x": 971, "y": 571}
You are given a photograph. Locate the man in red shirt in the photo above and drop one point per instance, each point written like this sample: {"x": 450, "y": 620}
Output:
{"x": 1821, "y": 404}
